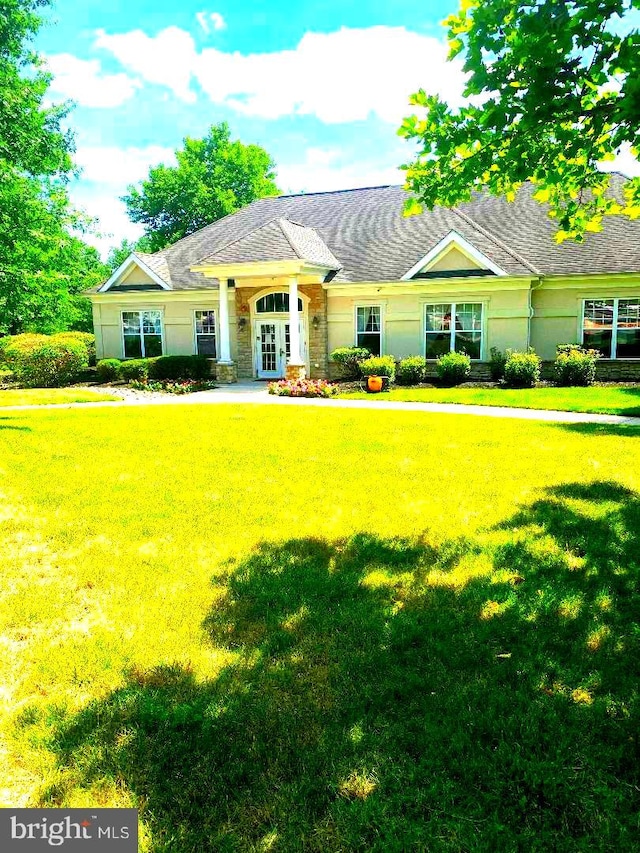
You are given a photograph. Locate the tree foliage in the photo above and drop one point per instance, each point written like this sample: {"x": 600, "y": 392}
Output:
{"x": 119, "y": 254}
{"x": 44, "y": 264}
{"x": 214, "y": 176}
{"x": 554, "y": 89}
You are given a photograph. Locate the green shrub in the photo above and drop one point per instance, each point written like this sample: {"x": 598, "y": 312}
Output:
{"x": 349, "y": 359}
{"x": 379, "y": 365}
{"x": 135, "y": 368}
{"x": 497, "y": 362}
{"x": 522, "y": 369}
{"x": 453, "y": 367}
{"x": 85, "y": 338}
{"x": 411, "y": 370}
{"x": 575, "y": 365}
{"x": 40, "y": 361}
{"x": 108, "y": 370}
{"x": 180, "y": 367}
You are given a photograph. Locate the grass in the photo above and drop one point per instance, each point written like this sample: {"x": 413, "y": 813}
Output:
{"x": 46, "y": 396}
{"x": 299, "y": 629}
{"x": 603, "y": 399}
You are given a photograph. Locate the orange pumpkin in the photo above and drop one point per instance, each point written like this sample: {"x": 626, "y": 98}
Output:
{"x": 374, "y": 383}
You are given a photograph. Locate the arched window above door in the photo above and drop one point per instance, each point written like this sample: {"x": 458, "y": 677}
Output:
{"x": 275, "y": 303}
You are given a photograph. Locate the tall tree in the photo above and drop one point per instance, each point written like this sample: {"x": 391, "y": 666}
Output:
{"x": 119, "y": 254}
{"x": 554, "y": 88}
{"x": 214, "y": 176}
{"x": 44, "y": 263}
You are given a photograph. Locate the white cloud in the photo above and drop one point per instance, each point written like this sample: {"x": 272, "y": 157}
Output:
{"x": 113, "y": 223}
{"x": 118, "y": 167}
{"x": 83, "y": 81}
{"x": 106, "y": 173}
{"x": 210, "y": 20}
{"x": 166, "y": 59}
{"x": 321, "y": 170}
{"x": 338, "y": 77}
{"x": 625, "y": 162}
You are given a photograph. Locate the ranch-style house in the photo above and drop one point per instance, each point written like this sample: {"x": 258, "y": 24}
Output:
{"x": 271, "y": 290}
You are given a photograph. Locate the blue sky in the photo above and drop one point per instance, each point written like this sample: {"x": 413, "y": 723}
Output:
{"x": 322, "y": 86}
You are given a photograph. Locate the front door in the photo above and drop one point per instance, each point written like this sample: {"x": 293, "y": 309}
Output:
{"x": 271, "y": 352}
{"x": 273, "y": 348}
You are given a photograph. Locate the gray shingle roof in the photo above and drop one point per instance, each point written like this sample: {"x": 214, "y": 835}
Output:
{"x": 365, "y": 234}
{"x": 276, "y": 241}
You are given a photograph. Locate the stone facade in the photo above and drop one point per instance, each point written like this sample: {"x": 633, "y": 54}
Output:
{"x": 317, "y": 332}
{"x": 295, "y": 371}
{"x": 318, "y": 339}
{"x": 243, "y": 332}
{"x": 606, "y": 371}
{"x": 226, "y": 374}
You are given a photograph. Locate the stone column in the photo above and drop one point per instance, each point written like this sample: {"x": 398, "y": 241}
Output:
{"x": 225, "y": 369}
{"x": 295, "y": 365}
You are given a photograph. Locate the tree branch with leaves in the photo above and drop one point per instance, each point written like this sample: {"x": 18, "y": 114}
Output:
{"x": 553, "y": 90}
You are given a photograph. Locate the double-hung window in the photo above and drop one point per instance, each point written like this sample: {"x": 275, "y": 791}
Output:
{"x": 612, "y": 326}
{"x": 142, "y": 333}
{"x": 453, "y": 327}
{"x": 369, "y": 328}
{"x": 206, "y": 333}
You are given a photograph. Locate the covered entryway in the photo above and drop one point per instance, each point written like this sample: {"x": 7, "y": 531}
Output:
{"x": 273, "y": 348}
{"x": 272, "y": 334}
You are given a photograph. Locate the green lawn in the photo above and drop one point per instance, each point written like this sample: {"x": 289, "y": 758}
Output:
{"x": 46, "y": 396}
{"x": 288, "y": 629}
{"x": 613, "y": 400}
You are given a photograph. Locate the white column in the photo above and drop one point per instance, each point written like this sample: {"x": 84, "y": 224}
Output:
{"x": 224, "y": 356}
{"x": 294, "y": 323}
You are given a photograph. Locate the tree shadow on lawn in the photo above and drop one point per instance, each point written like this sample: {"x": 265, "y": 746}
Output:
{"x": 393, "y": 696}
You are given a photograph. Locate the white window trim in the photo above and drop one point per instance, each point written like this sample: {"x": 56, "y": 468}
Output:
{"x": 195, "y": 330}
{"x": 132, "y": 261}
{"x": 483, "y": 324}
{"x": 614, "y": 330}
{"x": 465, "y": 247}
{"x": 141, "y": 311}
{"x": 370, "y": 304}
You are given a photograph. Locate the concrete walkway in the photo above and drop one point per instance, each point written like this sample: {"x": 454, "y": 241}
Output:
{"x": 255, "y": 392}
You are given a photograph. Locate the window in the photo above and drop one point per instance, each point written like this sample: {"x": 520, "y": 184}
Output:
{"x": 275, "y": 303}
{"x": 205, "y": 333}
{"x": 369, "y": 328}
{"x": 142, "y": 333}
{"x": 612, "y": 326}
{"x": 451, "y": 326}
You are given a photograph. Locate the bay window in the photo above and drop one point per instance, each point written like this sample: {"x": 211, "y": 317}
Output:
{"x": 453, "y": 327}
{"x": 369, "y": 328}
{"x": 142, "y": 333}
{"x": 612, "y": 326}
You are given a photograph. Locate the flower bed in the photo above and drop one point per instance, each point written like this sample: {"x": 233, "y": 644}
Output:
{"x": 303, "y": 388}
{"x": 167, "y": 386}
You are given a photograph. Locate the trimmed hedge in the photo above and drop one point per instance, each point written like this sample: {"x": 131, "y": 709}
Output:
{"x": 522, "y": 369}
{"x": 44, "y": 361}
{"x": 134, "y": 368}
{"x": 575, "y": 365}
{"x": 453, "y": 367}
{"x": 411, "y": 370}
{"x": 350, "y": 359}
{"x": 180, "y": 367}
{"x": 108, "y": 370}
{"x": 379, "y": 365}
{"x": 85, "y": 338}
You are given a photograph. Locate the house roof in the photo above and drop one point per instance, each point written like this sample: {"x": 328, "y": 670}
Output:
{"x": 277, "y": 240}
{"x": 363, "y": 234}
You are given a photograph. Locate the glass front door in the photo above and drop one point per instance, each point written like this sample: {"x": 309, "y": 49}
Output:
{"x": 273, "y": 348}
